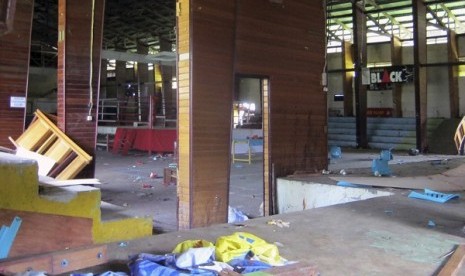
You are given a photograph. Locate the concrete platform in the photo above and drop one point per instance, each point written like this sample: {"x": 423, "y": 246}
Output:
{"x": 379, "y": 236}
{"x": 388, "y": 235}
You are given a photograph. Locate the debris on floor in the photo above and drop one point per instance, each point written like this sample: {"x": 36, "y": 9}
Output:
{"x": 279, "y": 223}
{"x": 380, "y": 166}
{"x": 433, "y": 196}
{"x": 234, "y": 215}
{"x": 335, "y": 152}
{"x": 240, "y": 252}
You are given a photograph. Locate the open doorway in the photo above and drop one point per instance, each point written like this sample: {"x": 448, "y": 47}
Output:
{"x": 246, "y": 185}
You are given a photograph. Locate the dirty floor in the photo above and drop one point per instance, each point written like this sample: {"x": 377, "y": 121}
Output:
{"x": 391, "y": 235}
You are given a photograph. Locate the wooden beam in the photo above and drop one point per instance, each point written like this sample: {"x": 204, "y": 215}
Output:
{"x": 396, "y": 59}
{"x": 453, "y": 265}
{"x": 348, "y": 77}
{"x": 80, "y": 30}
{"x": 453, "y": 56}
{"x": 360, "y": 61}
{"x": 420, "y": 58}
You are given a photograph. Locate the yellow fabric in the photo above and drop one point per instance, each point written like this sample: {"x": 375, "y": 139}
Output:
{"x": 239, "y": 244}
{"x": 185, "y": 245}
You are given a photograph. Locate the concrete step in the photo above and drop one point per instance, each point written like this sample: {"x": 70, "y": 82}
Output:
{"x": 383, "y": 133}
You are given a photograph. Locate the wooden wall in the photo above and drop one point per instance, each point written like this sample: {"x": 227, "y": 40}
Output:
{"x": 204, "y": 127}
{"x": 14, "y": 69}
{"x": 286, "y": 43}
{"x": 74, "y": 73}
{"x": 217, "y": 39}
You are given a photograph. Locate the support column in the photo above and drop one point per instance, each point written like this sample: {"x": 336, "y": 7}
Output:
{"x": 80, "y": 28}
{"x": 420, "y": 58}
{"x": 120, "y": 78}
{"x": 167, "y": 75}
{"x": 348, "y": 64}
{"x": 14, "y": 70}
{"x": 205, "y": 104}
{"x": 360, "y": 60}
{"x": 103, "y": 80}
{"x": 142, "y": 79}
{"x": 453, "y": 58}
{"x": 396, "y": 60}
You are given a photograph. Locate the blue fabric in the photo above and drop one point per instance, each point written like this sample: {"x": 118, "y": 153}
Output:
{"x": 248, "y": 266}
{"x": 161, "y": 265}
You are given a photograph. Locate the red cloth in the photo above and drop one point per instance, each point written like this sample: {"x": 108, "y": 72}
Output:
{"x": 156, "y": 140}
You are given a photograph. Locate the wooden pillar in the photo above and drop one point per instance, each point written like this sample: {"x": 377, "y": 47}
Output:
{"x": 15, "y": 48}
{"x": 204, "y": 110}
{"x": 120, "y": 78}
{"x": 360, "y": 60}
{"x": 103, "y": 80}
{"x": 80, "y": 28}
{"x": 453, "y": 58}
{"x": 420, "y": 59}
{"x": 396, "y": 59}
{"x": 166, "y": 77}
{"x": 348, "y": 64}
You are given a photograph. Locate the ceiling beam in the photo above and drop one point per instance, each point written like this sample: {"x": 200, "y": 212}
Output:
{"x": 458, "y": 23}
{"x": 390, "y": 17}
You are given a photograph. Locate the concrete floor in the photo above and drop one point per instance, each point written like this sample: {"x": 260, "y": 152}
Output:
{"x": 128, "y": 189}
{"x": 379, "y": 236}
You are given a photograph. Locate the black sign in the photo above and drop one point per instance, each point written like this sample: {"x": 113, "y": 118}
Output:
{"x": 382, "y": 78}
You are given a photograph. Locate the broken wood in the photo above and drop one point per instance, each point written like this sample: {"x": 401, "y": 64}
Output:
{"x": 45, "y": 138}
{"x": 454, "y": 264}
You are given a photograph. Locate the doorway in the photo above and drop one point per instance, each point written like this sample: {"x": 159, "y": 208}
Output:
{"x": 248, "y": 147}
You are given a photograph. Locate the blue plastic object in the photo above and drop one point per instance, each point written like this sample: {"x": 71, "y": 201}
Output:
{"x": 352, "y": 185}
{"x": 433, "y": 196}
{"x": 380, "y": 167}
{"x": 335, "y": 152}
{"x": 7, "y": 236}
{"x": 386, "y": 155}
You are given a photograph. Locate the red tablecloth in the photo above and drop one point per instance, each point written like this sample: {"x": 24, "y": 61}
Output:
{"x": 155, "y": 140}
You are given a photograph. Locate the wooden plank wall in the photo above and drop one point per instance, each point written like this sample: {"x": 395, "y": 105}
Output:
{"x": 14, "y": 69}
{"x": 217, "y": 39}
{"x": 206, "y": 130}
{"x": 286, "y": 42}
{"x": 74, "y": 71}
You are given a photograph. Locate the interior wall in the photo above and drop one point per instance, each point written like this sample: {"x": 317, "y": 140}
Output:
{"x": 14, "y": 67}
{"x": 219, "y": 38}
{"x": 285, "y": 42}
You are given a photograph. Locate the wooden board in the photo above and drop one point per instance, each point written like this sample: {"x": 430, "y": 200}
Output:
{"x": 58, "y": 262}
{"x": 49, "y": 181}
{"x": 454, "y": 263}
{"x": 40, "y": 233}
{"x": 451, "y": 180}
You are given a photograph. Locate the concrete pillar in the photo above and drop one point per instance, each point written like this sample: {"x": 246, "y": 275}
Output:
{"x": 419, "y": 60}
{"x": 360, "y": 60}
